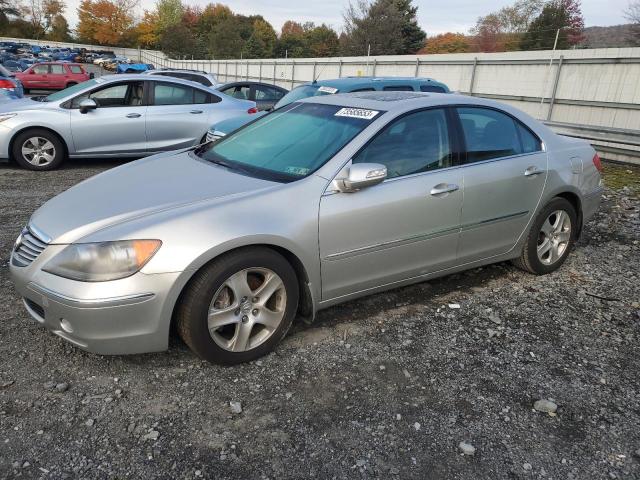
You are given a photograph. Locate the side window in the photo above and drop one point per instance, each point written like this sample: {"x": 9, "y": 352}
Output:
{"x": 363, "y": 90}
{"x": 57, "y": 69}
{"x": 241, "y": 91}
{"x": 119, "y": 95}
{"x": 530, "y": 142}
{"x": 268, "y": 94}
{"x": 488, "y": 134}
{"x": 398, "y": 88}
{"x": 76, "y": 69}
{"x": 199, "y": 79}
{"x": 418, "y": 142}
{"x": 172, "y": 94}
{"x": 41, "y": 69}
{"x": 432, "y": 88}
{"x": 200, "y": 96}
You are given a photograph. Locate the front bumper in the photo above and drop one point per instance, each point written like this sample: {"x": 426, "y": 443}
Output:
{"x": 126, "y": 316}
{"x": 5, "y": 139}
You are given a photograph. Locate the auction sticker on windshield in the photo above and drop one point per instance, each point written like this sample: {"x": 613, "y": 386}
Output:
{"x": 324, "y": 89}
{"x": 357, "y": 113}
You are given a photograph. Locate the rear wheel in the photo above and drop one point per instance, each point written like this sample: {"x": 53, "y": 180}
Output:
{"x": 238, "y": 307}
{"x": 550, "y": 239}
{"x": 38, "y": 149}
{"x": 70, "y": 84}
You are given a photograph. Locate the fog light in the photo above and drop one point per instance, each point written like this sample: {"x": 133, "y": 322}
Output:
{"x": 66, "y": 326}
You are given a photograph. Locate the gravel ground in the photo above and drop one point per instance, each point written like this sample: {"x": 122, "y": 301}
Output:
{"x": 384, "y": 387}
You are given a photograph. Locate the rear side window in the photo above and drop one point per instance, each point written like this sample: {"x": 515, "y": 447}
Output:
{"x": 174, "y": 94}
{"x": 58, "y": 69}
{"x": 432, "y": 88}
{"x": 491, "y": 134}
{"x": 268, "y": 94}
{"x": 398, "y": 88}
{"x": 200, "y": 79}
{"x": 76, "y": 69}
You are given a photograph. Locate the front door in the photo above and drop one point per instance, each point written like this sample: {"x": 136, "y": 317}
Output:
{"x": 504, "y": 175}
{"x": 406, "y": 226}
{"x": 116, "y": 126}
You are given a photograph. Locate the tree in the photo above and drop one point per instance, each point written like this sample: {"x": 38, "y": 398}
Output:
{"x": 377, "y": 25}
{"x": 177, "y": 41}
{"x": 321, "y": 41}
{"x": 262, "y": 42}
{"x": 413, "y": 36}
{"x": 169, "y": 13}
{"x": 559, "y": 15}
{"x": 106, "y": 22}
{"x": 146, "y": 30}
{"x": 447, "y": 43}
{"x": 7, "y": 10}
{"x": 633, "y": 15}
{"x": 59, "y": 29}
{"x": 225, "y": 40}
{"x": 292, "y": 42}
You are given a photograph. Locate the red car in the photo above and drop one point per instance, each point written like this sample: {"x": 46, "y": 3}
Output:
{"x": 52, "y": 76}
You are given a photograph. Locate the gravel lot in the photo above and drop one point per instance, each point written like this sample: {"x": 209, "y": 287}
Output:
{"x": 385, "y": 387}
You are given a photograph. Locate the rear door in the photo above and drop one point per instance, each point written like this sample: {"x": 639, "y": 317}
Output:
{"x": 504, "y": 171}
{"x": 178, "y": 115}
{"x": 116, "y": 126}
{"x": 58, "y": 76}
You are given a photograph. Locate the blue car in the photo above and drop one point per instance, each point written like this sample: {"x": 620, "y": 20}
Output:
{"x": 329, "y": 87}
{"x": 10, "y": 87}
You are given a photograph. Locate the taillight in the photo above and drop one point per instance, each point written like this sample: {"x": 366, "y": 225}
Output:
{"x": 597, "y": 163}
{"x": 252, "y": 110}
{"x": 6, "y": 84}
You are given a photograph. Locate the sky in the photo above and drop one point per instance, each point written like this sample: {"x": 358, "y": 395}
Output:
{"x": 435, "y": 16}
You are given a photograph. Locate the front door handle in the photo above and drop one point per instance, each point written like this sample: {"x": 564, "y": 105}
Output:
{"x": 532, "y": 171}
{"x": 444, "y": 188}
{"x": 134, "y": 115}
{"x": 195, "y": 111}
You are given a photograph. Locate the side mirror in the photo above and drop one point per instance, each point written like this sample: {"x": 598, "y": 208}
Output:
{"x": 362, "y": 175}
{"x": 87, "y": 104}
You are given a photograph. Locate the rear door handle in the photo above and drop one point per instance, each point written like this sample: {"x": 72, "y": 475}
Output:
{"x": 532, "y": 171}
{"x": 134, "y": 115}
{"x": 443, "y": 188}
{"x": 195, "y": 111}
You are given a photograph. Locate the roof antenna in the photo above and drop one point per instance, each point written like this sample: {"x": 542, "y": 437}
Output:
{"x": 315, "y": 80}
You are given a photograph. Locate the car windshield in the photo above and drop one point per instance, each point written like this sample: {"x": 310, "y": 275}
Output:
{"x": 304, "y": 91}
{"x": 62, "y": 94}
{"x": 290, "y": 143}
{"x": 4, "y": 72}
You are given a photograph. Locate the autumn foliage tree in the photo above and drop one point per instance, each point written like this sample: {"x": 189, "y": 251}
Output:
{"x": 105, "y": 22}
{"x": 447, "y": 43}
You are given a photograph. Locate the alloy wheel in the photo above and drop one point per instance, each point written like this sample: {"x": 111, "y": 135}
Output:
{"x": 247, "y": 309}
{"x": 554, "y": 237}
{"x": 38, "y": 151}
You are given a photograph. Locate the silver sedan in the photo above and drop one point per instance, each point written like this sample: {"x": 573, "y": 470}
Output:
{"x": 116, "y": 115}
{"x": 320, "y": 202}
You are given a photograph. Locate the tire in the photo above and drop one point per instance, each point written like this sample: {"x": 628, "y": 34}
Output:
{"x": 25, "y": 90}
{"x": 550, "y": 226}
{"x": 213, "y": 289}
{"x": 49, "y": 159}
{"x": 70, "y": 84}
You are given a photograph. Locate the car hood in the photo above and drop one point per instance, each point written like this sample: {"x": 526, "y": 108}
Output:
{"x": 24, "y": 104}
{"x": 138, "y": 189}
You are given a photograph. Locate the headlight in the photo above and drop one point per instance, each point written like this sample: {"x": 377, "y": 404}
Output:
{"x": 6, "y": 116}
{"x": 101, "y": 262}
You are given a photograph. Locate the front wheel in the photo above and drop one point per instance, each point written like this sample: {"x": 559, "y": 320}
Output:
{"x": 38, "y": 149}
{"x": 70, "y": 84}
{"x": 239, "y": 306}
{"x": 551, "y": 238}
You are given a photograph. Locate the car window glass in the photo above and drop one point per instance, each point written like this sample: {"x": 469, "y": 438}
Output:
{"x": 398, "y": 88}
{"x": 57, "y": 69}
{"x": 240, "y": 91}
{"x": 418, "y": 142}
{"x": 172, "y": 94}
{"x": 432, "y": 88}
{"x": 530, "y": 142}
{"x": 41, "y": 69}
{"x": 200, "y": 96}
{"x": 198, "y": 79}
{"x": 488, "y": 134}
{"x": 265, "y": 93}
{"x": 120, "y": 95}
{"x": 75, "y": 69}
{"x": 363, "y": 90}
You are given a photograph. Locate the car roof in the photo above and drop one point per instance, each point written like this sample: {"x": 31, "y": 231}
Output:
{"x": 349, "y": 83}
{"x": 402, "y": 101}
{"x": 153, "y": 78}
{"x": 179, "y": 70}
{"x": 248, "y": 82}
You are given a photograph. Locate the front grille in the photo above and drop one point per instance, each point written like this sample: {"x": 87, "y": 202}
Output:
{"x": 28, "y": 247}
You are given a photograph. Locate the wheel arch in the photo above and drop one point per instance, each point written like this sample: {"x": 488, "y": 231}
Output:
{"x": 306, "y": 306}
{"x": 31, "y": 127}
{"x": 574, "y": 199}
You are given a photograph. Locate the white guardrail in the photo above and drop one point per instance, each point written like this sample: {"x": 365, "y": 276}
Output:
{"x": 592, "y": 93}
